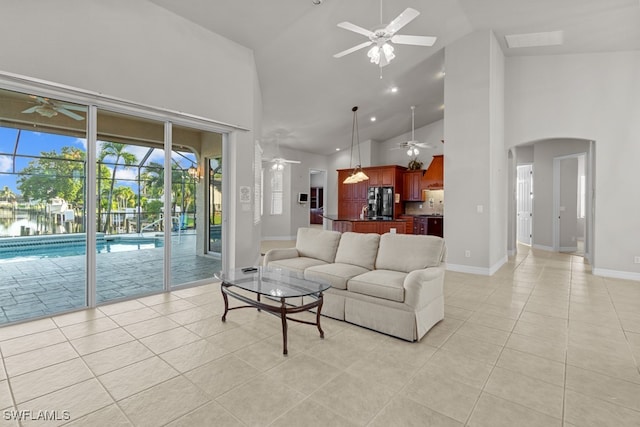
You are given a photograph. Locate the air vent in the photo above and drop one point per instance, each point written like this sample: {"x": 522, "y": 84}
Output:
{"x": 550, "y": 38}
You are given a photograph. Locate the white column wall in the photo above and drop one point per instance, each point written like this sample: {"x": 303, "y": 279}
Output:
{"x": 473, "y": 148}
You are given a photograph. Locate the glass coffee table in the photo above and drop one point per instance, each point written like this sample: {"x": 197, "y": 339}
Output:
{"x": 277, "y": 286}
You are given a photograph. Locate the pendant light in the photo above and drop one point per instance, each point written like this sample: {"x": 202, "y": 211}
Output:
{"x": 358, "y": 174}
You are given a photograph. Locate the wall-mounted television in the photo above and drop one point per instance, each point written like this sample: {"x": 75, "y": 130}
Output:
{"x": 303, "y": 197}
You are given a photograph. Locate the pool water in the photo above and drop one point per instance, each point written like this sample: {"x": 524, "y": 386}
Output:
{"x": 59, "y": 251}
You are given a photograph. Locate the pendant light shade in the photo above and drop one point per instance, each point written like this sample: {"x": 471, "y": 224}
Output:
{"x": 358, "y": 174}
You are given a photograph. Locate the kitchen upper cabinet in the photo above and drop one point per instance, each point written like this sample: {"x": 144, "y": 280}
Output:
{"x": 381, "y": 176}
{"x": 412, "y": 186}
{"x": 433, "y": 178}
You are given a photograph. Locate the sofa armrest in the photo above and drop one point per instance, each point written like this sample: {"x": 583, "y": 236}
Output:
{"x": 423, "y": 286}
{"x": 280, "y": 253}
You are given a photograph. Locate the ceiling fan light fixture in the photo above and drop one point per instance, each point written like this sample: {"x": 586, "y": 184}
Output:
{"x": 409, "y": 152}
{"x": 387, "y": 49}
{"x": 46, "y": 111}
{"x": 374, "y": 55}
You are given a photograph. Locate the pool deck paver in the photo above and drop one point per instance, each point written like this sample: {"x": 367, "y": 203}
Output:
{"x": 33, "y": 288}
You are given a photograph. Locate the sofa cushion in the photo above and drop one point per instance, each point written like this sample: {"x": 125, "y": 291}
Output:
{"x": 318, "y": 244}
{"x": 337, "y": 274}
{"x": 298, "y": 264}
{"x": 385, "y": 284}
{"x": 408, "y": 252}
{"x": 358, "y": 249}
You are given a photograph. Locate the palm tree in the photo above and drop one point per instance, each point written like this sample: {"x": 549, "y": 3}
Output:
{"x": 8, "y": 195}
{"x": 117, "y": 150}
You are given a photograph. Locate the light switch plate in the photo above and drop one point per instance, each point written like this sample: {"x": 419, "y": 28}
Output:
{"x": 480, "y": 208}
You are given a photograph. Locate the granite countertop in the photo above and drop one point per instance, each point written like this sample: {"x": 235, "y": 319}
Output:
{"x": 338, "y": 218}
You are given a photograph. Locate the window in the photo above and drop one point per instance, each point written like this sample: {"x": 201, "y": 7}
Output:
{"x": 257, "y": 183}
{"x": 277, "y": 192}
{"x": 582, "y": 196}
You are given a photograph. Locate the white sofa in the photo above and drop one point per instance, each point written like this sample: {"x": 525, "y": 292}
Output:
{"x": 391, "y": 283}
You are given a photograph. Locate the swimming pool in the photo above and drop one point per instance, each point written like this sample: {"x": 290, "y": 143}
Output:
{"x": 41, "y": 248}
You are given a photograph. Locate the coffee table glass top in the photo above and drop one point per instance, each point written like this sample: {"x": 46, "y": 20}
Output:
{"x": 273, "y": 282}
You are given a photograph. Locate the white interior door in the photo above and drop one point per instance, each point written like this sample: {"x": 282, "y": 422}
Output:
{"x": 568, "y": 205}
{"x": 524, "y": 200}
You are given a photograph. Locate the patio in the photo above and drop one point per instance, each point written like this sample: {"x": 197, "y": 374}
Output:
{"x": 39, "y": 287}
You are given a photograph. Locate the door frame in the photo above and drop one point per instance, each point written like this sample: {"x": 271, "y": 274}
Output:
{"x": 588, "y": 201}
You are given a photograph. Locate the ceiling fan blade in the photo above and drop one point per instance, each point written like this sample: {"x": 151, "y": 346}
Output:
{"x": 73, "y": 107}
{"x": 414, "y": 40}
{"x": 403, "y": 19}
{"x": 424, "y": 145}
{"x": 31, "y": 110}
{"x": 356, "y": 29}
{"x": 291, "y": 161}
{"x": 353, "y": 49}
{"x": 69, "y": 114}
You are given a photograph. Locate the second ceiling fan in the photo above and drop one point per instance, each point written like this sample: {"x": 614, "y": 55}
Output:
{"x": 382, "y": 51}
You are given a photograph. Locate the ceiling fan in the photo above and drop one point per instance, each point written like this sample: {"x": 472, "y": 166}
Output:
{"x": 381, "y": 38}
{"x": 279, "y": 162}
{"x": 49, "y": 108}
{"x": 412, "y": 146}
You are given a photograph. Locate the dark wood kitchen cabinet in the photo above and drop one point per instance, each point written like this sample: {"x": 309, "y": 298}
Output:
{"x": 352, "y": 197}
{"x": 429, "y": 225}
{"x": 435, "y": 226}
{"x": 412, "y": 186}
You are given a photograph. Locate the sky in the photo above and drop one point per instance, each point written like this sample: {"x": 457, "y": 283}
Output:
{"x": 34, "y": 143}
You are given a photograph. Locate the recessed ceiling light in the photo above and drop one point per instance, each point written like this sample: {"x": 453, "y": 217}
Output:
{"x": 373, "y": 119}
{"x": 549, "y": 38}
{"x": 337, "y": 149}
{"x": 394, "y": 89}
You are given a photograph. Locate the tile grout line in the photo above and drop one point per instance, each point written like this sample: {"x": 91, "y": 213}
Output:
{"x": 482, "y": 390}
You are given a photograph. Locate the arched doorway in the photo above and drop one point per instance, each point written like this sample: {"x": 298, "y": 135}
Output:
{"x": 562, "y": 200}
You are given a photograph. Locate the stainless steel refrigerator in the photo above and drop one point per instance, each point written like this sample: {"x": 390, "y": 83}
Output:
{"x": 380, "y": 202}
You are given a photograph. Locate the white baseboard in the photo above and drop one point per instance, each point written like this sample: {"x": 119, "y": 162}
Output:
{"x": 616, "y": 274}
{"x": 483, "y": 271}
{"x": 495, "y": 267}
{"x": 543, "y": 248}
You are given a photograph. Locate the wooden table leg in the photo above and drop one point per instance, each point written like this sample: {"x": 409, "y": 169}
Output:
{"x": 283, "y": 316}
{"x": 226, "y": 302}
{"x": 320, "y": 300}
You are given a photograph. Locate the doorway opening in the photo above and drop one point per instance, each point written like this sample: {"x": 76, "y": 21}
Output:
{"x": 317, "y": 184}
{"x": 570, "y": 203}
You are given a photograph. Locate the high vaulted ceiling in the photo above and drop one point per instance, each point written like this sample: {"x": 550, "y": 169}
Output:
{"x": 308, "y": 95}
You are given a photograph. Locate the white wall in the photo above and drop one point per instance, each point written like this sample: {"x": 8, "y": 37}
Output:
{"x": 594, "y": 97}
{"x": 473, "y": 88}
{"x": 498, "y": 190}
{"x": 142, "y": 53}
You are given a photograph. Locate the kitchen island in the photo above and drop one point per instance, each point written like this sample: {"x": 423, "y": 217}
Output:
{"x": 368, "y": 225}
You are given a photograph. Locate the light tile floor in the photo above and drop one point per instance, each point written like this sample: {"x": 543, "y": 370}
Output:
{"x": 541, "y": 343}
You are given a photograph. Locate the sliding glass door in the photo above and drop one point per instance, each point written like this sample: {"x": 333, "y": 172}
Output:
{"x": 130, "y": 208}
{"x": 148, "y": 191}
{"x": 43, "y": 146}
